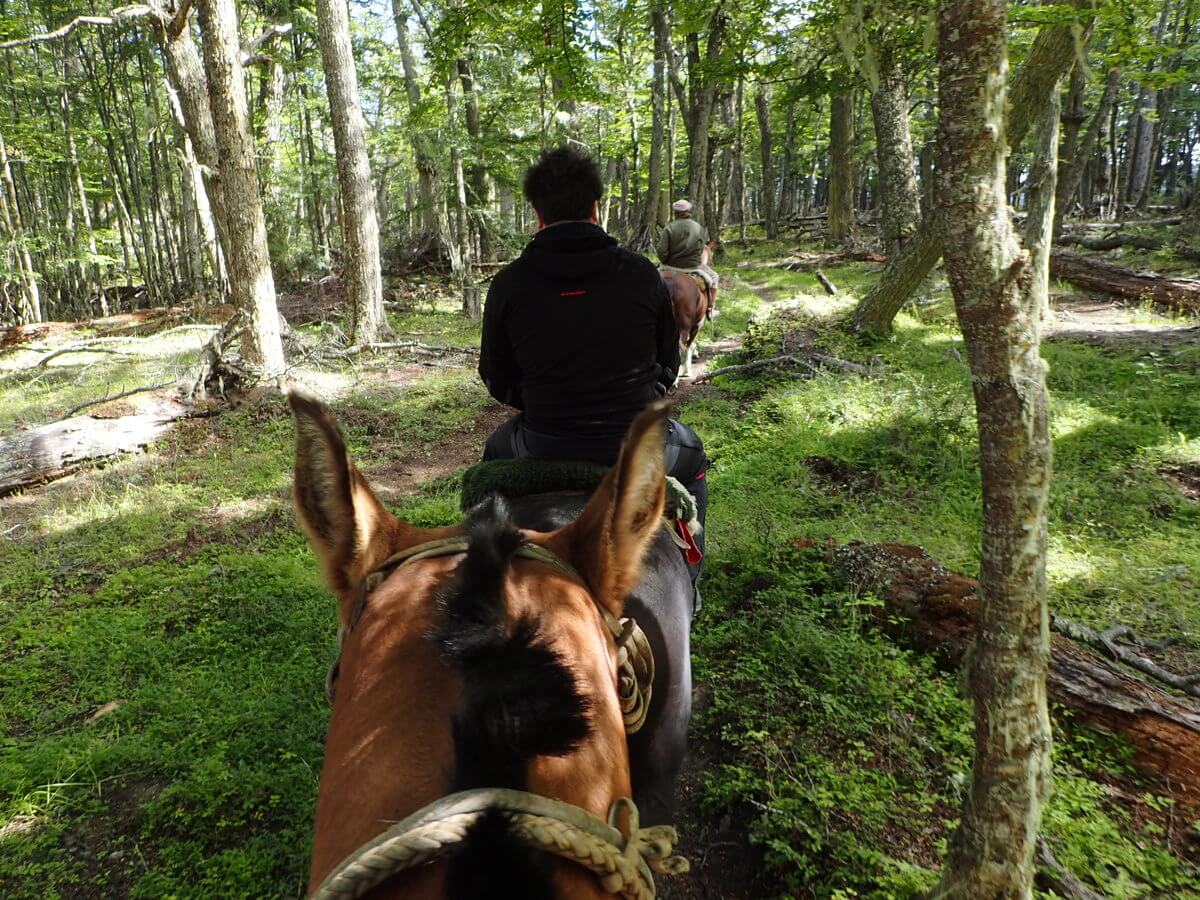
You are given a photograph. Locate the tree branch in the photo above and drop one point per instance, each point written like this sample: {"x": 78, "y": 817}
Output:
{"x": 1107, "y": 641}
{"x": 121, "y": 14}
{"x": 249, "y": 49}
{"x": 175, "y": 29}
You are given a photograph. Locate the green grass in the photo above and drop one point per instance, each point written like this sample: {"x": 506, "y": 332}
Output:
{"x": 178, "y": 583}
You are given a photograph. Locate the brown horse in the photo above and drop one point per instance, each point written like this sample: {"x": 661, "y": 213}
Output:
{"x": 690, "y": 303}
{"x": 477, "y": 656}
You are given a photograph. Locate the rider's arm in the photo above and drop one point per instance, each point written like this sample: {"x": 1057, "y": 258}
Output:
{"x": 668, "y": 338}
{"x": 664, "y": 245}
{"x": 497, "y": 365}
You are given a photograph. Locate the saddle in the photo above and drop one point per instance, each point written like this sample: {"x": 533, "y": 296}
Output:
{"x": 514, "y": 478}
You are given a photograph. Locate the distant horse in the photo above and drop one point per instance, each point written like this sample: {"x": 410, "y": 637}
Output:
{"x": 478, "y": 743}
{"x": 690, "y": 302}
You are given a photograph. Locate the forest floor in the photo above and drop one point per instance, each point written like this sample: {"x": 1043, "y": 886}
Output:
{"x": 166, "y": 631}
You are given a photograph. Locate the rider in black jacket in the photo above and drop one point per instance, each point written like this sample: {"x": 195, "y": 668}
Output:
{"x": 579, "y": 334}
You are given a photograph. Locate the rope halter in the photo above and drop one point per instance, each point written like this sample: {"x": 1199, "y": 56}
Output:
{"x": 635, "y": 659}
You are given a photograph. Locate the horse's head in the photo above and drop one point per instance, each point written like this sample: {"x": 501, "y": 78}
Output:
{"x": 477, "y": 657}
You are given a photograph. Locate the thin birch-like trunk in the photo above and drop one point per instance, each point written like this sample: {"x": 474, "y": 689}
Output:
{"x": 991, "y": 853}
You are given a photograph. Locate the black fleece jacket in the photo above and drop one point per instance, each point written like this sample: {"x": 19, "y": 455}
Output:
{"x": 579, "y": 333}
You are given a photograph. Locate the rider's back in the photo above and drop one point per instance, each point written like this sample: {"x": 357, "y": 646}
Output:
{"x": 681, "y": 244}
{"x": 578, "y": 332}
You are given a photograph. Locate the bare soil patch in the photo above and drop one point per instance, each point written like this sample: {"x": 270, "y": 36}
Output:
{"x": 460, "y": 448}
{"x": 1185, "y": 478}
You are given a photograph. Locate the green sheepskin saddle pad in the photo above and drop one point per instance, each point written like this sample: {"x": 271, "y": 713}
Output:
{"x": 513, "y": 478}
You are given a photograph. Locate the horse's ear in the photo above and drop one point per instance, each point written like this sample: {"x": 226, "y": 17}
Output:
{"x": 607, "y": 542}
{"x": 348, "y": 527}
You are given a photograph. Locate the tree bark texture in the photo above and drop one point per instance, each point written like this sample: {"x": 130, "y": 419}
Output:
{"x": 900, "y": 202}
{"x": 250, "y": 278}
{"x": 991, "y": 853}
{"x": 1052, "y": 53}
{"x": 841, "y": 166}
{"x": 360, "y": 225}
{"x": 934, "y": 609}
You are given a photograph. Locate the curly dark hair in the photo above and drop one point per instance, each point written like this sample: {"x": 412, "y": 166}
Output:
{"x": 563, "y": 184}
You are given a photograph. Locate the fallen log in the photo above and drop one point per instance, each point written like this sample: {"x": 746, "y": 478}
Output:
{"x": 1112, "y": 243}
{"x": 1097, "y": 275}
{"x": 60, "y": 448}
{"x": 815, "y": 263}
{"x": 931, "y": 608}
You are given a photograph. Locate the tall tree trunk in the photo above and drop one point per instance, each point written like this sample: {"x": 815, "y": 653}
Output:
{"x": 478, "y": 175}
{"x": 841, "y": 166}
{"x": 991, "y": 853}
{"x": 787, "y": 170}
{"x": 649, "y": 220}
{"x": 1070, "y": 169}
{"x": 250, "y": 279}
{"x": 900, "y": 203}
{"x": 421, "y": 142}
{"x": 1052, "y": 53}
{"x": 29, "y": 306}
{"x": 762, "y": 106}
{"x": 360, "y": 227}
{"x": 272, "y": 99}
{"x": 1142, "y": 127}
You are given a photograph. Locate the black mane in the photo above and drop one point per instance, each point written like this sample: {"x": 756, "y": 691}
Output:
{"x": 519, "y": 701}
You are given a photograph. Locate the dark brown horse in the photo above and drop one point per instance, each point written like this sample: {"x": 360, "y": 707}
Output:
{"x": 479, "y": 666}
{"x": 690, "y": 303}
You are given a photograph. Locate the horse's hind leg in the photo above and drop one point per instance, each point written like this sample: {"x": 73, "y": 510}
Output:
{"x": 687, "y": 364}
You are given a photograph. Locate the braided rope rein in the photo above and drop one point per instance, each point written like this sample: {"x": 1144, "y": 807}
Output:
{"x": 621, "y": 863}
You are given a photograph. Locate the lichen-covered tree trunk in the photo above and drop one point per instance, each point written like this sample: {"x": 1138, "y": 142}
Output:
{"x": 762, "y": 106}
{"x": 1052, "y": 53}
{"x": 1070, "y": 170}
{"x": 360, "y": 226}
{"x": 250, "y": 278}
{"x": 841, "y": 166}
{"x": 899, "y": 199}
{"x": 991, "y": 854}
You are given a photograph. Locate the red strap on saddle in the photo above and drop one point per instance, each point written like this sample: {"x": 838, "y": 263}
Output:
{"x": 692, "y": 553}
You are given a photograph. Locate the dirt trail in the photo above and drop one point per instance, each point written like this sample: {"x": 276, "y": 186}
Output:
{"x": 1104, "y": 322}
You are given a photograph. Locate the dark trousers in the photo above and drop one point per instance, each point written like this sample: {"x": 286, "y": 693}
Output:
{"x": 684, "y": 451}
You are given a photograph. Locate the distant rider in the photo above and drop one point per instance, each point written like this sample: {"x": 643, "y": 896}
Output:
{"x": 683, "y": 246}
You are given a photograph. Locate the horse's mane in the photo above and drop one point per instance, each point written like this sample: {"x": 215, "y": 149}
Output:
{"x": 519, "y": 701}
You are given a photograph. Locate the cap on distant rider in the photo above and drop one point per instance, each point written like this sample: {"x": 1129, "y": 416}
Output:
{"x": 682, "y": 207}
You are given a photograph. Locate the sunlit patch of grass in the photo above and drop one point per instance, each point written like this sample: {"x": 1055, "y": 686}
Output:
{"x": 32, "y": 395}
